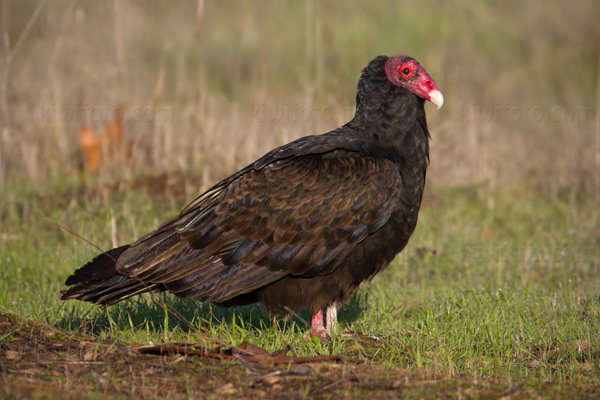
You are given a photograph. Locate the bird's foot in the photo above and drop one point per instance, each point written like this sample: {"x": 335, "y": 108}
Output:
{"x": 323, "y": 330}
{"x": 317, "y": 327}
{"x": 319, "y": 333}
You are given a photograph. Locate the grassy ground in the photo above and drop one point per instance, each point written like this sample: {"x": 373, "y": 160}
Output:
{"x": 498, "y": 292}
{"x": 495, "y": 293}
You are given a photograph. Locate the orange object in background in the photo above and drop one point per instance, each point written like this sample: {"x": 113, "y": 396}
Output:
{"x": 106, "y": 149}
{"x": 91, "y": 148}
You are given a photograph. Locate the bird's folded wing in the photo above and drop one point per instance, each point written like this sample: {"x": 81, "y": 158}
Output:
{"x": 301, "y": 216}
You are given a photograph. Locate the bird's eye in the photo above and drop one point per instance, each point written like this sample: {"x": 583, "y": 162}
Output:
{"x": 406, "y": 71}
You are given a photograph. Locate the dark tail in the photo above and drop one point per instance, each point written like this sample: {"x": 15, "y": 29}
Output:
{"x": 99, "y": 282}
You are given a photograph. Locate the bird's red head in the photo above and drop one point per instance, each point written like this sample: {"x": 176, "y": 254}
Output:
{"x": 406, "y": 72}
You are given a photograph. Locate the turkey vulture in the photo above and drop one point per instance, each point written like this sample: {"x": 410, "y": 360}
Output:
{"x": 303, "y": 225}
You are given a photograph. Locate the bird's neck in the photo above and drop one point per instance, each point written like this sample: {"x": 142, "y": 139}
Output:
{"x": 393, "y": 121}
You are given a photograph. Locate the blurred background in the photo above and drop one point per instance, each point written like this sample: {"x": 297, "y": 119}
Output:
{"x": 191, "y": 91}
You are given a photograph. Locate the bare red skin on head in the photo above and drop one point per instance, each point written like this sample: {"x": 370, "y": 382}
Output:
{"x": 406, "y": 72}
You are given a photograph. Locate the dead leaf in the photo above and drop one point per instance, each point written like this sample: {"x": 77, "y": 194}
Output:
{"x": 272, "y": 378}
{"x": 13, "y": 355}
{"x": 228, "y": 388}
{"x": 245, "y": 351}
{"x": 249, "y": 348}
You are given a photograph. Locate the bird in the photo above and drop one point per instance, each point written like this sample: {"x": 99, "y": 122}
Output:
{"x": 301, "y": 227}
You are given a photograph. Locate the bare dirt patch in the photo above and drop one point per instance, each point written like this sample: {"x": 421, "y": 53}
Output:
{"x": 38, "y": 361}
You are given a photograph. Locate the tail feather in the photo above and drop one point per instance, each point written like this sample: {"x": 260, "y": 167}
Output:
{"x": 99, "y": 282}
{"x": 100, "y": 268}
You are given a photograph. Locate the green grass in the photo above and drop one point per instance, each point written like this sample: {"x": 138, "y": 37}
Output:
{"x": 504, "y": 286}
{"x": 501, "y": 285}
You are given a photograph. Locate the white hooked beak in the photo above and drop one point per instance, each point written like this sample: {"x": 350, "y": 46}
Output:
{"x": 437, "y": 98}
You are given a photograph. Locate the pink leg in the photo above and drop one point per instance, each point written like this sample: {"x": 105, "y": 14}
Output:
{"x": 331, "y": 318}
{"x": 317, "y": 328}
{"x": 316, "y": 324}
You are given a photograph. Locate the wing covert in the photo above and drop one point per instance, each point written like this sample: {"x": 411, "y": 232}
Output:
{"x": 296, "y": 215}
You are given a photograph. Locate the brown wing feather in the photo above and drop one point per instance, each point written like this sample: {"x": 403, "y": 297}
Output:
{"x": 286, "y": 213}
{"x": 299, "y": 216}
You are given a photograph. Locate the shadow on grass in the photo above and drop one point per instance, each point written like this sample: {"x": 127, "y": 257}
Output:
{"x": 142, "y": 313}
